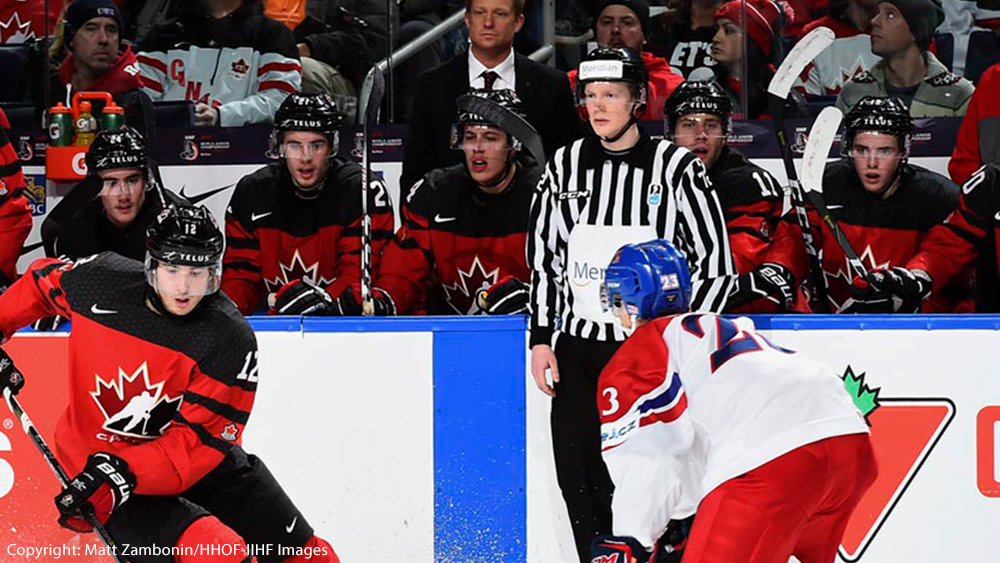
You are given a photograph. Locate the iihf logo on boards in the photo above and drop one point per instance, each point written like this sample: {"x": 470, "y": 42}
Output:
{"x": 134, "y": 407}
{"x": 904, "y": 432}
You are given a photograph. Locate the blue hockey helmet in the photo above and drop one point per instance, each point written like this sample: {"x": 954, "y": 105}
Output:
{"x": 649, "y": 280}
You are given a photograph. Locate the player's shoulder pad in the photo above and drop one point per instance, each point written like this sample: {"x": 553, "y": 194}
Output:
{"x": 257, "y": 190}
{"x": 233, "y": 346}
{"x": 440, "y": 190}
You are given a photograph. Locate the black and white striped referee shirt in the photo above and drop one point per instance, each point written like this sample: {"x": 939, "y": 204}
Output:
{"x": 590, "y": 202}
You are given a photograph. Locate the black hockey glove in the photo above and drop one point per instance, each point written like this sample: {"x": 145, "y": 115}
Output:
{"x": 671, "y": 543}
{"x": 349, "y": 303}
{"x": 769, "y": 287}
{"x": 624, "y": 549}
{"x": 508, "y": 296}
{"x": 303, "y": 297}
{"x": 10, "y": 377}
{"x": 909, "y": 288}
{"x": 104, "y": 485}
{"x": 46, "y": 324}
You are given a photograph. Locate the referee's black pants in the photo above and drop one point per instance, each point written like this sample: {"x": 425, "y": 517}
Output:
{"x": 576, "y": 438}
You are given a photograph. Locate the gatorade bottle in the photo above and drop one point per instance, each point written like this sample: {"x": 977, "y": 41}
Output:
{"x": 60, "y": 126}
{"x": 86, "y": 126}
{"x": 113, "y": 116}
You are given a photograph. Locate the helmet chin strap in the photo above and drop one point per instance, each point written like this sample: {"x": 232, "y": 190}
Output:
{"x": 313, "y": 191}
{"x": 632, "y": 120}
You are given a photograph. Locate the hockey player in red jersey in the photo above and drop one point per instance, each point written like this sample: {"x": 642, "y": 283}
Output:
{"x": 155, "y": 419}
{"x": 293, "y": 228}
{"x": 948, "y": 250}
{"x": 698, "y": 118}
{"x": 883, "y": 204}
{"x": 464, "y": 226}
{"x": 700, "y": 412}
{"x": 15, "y": 214}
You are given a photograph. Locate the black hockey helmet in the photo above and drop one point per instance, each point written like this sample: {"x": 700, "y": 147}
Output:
{"x": 507, "y": 99}
{"x": 318, "y": 113}
{"x": 114, "y": 149}
{"x": 607, "y": 64}
{"x": 185, "y": 235}
{"x": 879, "y": 114}
{"x": 697, "y": 97}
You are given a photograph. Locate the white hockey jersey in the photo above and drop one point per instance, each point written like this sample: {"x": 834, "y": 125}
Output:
{"x": 691, "y": 401}
{"x": 849, "y": 55}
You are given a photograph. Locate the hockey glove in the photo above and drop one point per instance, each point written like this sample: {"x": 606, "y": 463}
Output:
{"x": 349, "y": 303}
{"x": 508, "y": 296}
{"x": 10, "y": 377}
{"x": 104, "y": 485}
{"x": 618, "y": 549}
{"x": 4, "y": 283}
{"x": 909, "y": 288}
{"x": 303, "y": 297}
{"x": 768, "y": 288}
{"x": 48, "y": 323}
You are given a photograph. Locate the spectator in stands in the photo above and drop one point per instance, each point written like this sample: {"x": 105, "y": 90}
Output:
{"x": 491, "y": 63}
{"x": 234, "y": 63}
{"x": 464, "y": 227}
{"x": 110, "y": 209}
{"x": 978, "y": 141}
{"x": 97, "y": 61}
{"x": 685, "y": 34}
{"x": 698, "y": 119}
{"x": 851, "y": 51}
{"x": 293, "y": 228}
{"x": 804, "y": 13}
{"x": 624, "y": 23}
{"x": 15, "y": 214}
{"x": 291, "y": 13}
{"x": 338, "y": 43}
{"x": 901, "y": 33}
{"x": 883, "y": 204}
{"x": 417, "y": 18}
{"x": 763, "y": 24}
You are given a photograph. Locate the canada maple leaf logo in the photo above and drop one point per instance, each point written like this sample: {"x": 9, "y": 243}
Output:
{"x": 240, "y": 67}
{"x": 15, "y": 31}
{"x": 132, "y": 406}
{"x": 296, "y": 270}
{"x": 461, "y": 295}
{"x": 229, "y": 433}
{"x": 904, "y": 431}
{"x": 844, "y": 274}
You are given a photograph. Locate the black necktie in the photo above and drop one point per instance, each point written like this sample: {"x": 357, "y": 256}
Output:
{"x": 489, "y": 77}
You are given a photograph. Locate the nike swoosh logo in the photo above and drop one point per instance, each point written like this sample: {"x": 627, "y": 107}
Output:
{"x": 292, "y": 525}
{"x": 997, "y": 217}
{"x": 255, "y": 216}
{"x": 98, "y": 311}
{"x": 27, "y": 249}
{"x": 834, "y": 206}
{"x": 195, "y": 199}
{"x": 439, "y": 219}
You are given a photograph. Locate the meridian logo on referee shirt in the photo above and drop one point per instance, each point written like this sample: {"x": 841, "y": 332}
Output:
{"x": 584, "y": 274}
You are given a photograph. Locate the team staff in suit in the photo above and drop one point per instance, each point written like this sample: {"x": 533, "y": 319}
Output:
{"x": 492, "y": 64}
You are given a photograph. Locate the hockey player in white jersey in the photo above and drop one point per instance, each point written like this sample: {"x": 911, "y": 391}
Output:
{"x": 700, "y": 412}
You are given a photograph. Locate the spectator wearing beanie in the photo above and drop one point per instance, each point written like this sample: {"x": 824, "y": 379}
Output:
{"x": 96, "y": 61}
{"x": 624, "y": 23}
{"x": 901, "y": 33}
{"x": 763, "y": 25}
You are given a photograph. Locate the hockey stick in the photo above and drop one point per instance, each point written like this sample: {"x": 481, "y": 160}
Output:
{"x": 506, "y": 120}
{"x": 377, "y": 90}
{"x": 818, "y": 146}
{"x": 807, "y": 49}
{"x": 64, "y": 480}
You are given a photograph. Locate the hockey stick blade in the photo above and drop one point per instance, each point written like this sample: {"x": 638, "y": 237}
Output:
{"x": 506, "y": 120}
{"x": 807, "y": 49}
{"x": 821, "y": 138}
{"x": 818, "y": 146}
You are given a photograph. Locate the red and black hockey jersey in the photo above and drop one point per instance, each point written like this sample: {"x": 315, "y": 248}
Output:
{"x": 751, "y": 201}
{"x": 468, "y": 238}
{"x": 274, "y": 237}
{"x": 170, "y": 395}
{"x": 15, "y": 213}
{"x": 884, "y": 232}
{"x": 973, "y": 228}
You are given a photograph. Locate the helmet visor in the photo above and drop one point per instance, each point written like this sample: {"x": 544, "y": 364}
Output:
{"x": 699, "y": 125}
{"x": 318, "y": 148}
{"x": 176, "y": 281}
{"x": 479, "y": 137}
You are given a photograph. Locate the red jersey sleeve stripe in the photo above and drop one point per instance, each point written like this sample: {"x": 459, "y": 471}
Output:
{"x": 276, "y": 85}
{"x": 279, "y": 67}
{"x": 151, "y": 84}
{"x": 155, "y": 63}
